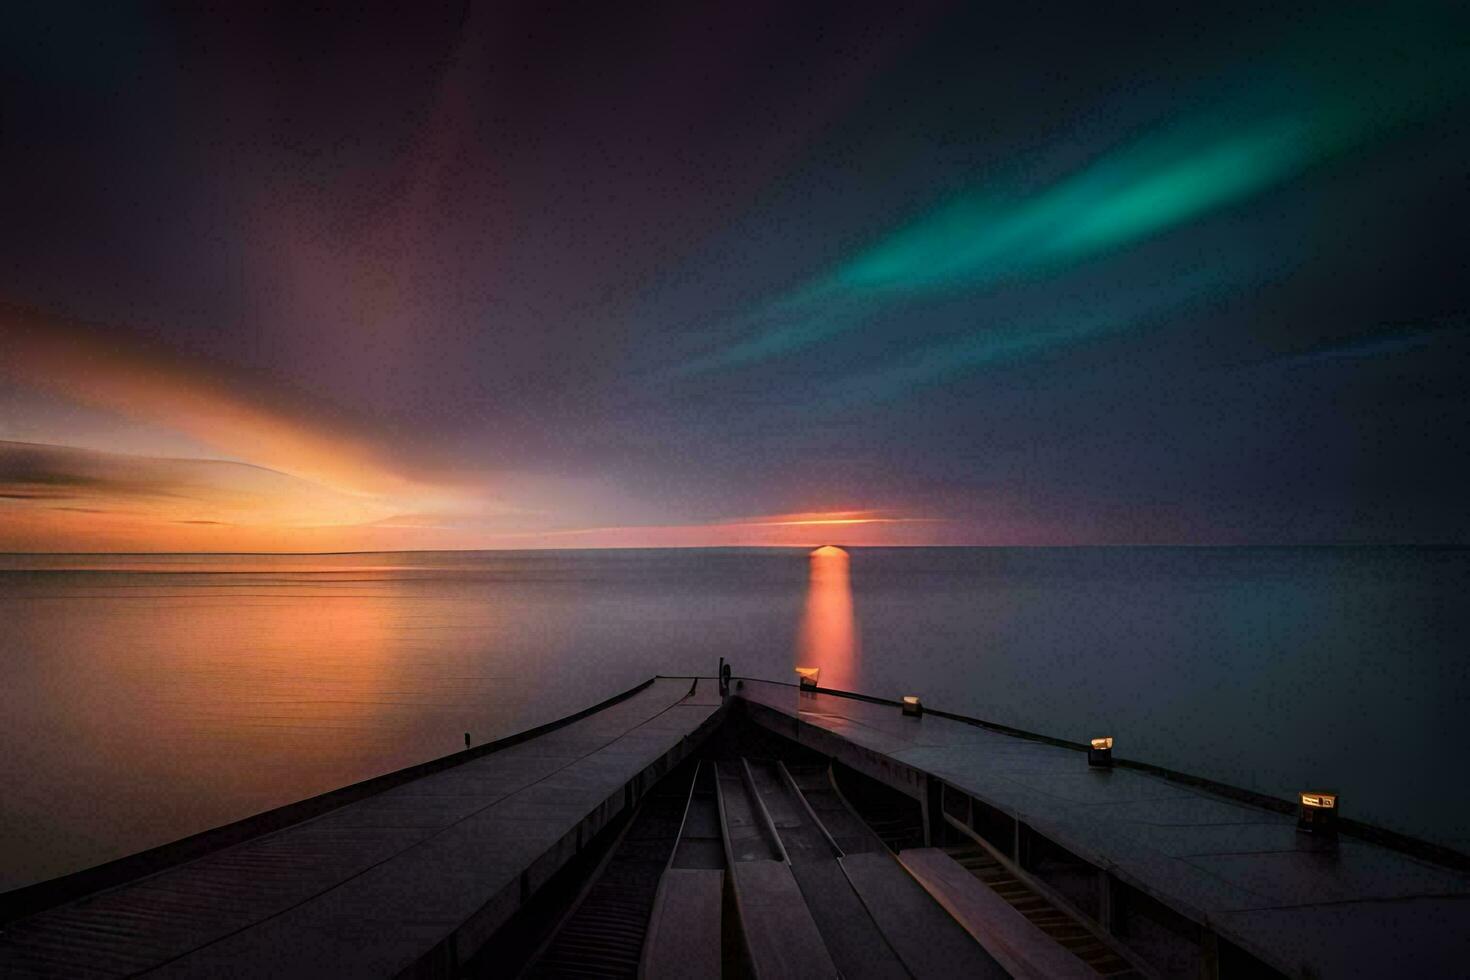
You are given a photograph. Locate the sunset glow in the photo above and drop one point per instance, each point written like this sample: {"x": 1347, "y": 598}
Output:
{"x": 499, "y": 303}
{"x": 70, "y": 499}
{"x": 255, "y": 467}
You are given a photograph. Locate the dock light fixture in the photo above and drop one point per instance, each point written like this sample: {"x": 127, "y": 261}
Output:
{"x": 1100, "y": 753}
{"x": 807, "y": 677}
{"x": 1317, "y": 813}
{"x": 912, "y": 708}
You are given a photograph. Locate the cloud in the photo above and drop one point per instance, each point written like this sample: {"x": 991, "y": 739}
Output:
{"x": 235, "y": 414}
{"x": 58, "y": 498}
{"x": 61, "y": 478}
{"x": 63, "y": 498}
{"x": 803, "y": 529}
{"x": 1378, "y": 343}
{"x": 280, "y": 458}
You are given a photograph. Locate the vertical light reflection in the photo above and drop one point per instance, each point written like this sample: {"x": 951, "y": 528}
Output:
{"x": 828, "y": 636}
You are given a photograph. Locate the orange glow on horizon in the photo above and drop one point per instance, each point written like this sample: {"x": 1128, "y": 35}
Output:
{"x": 821, "y": 519}
{"x": 67, "y": 499}
{"x": 806, "y": 529}
{"x": 137, "y": 504}
{"x": 176, "y": 454}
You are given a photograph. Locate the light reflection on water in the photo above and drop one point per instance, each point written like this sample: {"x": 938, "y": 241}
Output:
{"x": 143, "y": 698}
{"x": 828, "y": 636}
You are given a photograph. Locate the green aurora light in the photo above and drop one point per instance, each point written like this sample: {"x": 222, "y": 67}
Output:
{"x": 1360, "y": 84}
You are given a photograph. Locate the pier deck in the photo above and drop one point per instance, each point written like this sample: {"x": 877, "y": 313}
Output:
{"x": 412, "y": 879}
{"x": 1121, "y": 843}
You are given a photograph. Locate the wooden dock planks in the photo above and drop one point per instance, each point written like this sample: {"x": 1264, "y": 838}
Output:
{"x": 1024, "y": 950}
{"x": 780, "y": 935}
{"x": 684, "y": 938}
{"x": 419, "y": 874}
{"x": 1237, "y": 870}
{"x": 856, "y": 945}
{"x": 686, "y": 928}
{"x": 928, "y": 941}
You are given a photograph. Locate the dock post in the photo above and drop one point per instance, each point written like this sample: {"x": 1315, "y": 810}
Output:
{"x": 933, "y": 812}
{"x": 1209, "y": 944}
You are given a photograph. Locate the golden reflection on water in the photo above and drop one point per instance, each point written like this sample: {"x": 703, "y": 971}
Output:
{"x": 158, "y": 714}
{"x": 828, "y": 636}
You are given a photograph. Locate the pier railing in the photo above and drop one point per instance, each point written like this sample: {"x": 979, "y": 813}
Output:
{"x": 1372, "y": 833}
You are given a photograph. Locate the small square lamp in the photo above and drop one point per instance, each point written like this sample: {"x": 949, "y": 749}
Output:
{"x": 1317, "y": 813}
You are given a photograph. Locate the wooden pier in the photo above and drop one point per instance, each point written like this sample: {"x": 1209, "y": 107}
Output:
{"x": 808, "y": 833}
{"x": 1196, "y": 883}
{"x": 409, "y": 880}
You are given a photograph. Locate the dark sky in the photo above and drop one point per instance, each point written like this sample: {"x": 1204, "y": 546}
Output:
{"x": 555, "y": 273}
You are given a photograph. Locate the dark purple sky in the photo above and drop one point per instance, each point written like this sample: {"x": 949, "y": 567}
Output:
{"x": 467, "y": 276}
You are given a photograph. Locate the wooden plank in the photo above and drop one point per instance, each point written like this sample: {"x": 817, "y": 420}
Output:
{"x": 926, "y": 938}
{"x": 779, "y": 930}
{"x": 780, "y": 934}
{"x": 701, "y": 839}
{"x": 684, "y": 937}
{"x": 853, "y": 940}
{"x": 1236, "y": 869}
{"x": 1024, "y": 950}
{"x": 747, "y": 834}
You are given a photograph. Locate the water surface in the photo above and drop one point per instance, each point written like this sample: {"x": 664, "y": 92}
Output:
{"x": 143, "y": 698}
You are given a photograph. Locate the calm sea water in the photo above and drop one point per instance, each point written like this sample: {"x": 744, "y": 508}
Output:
{"x": 143, "y": 698}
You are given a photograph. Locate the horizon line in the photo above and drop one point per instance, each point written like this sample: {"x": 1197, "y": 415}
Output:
{"x": 750, "y": 547}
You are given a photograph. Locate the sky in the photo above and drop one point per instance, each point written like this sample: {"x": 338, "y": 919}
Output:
{"x": 373, "y": 276}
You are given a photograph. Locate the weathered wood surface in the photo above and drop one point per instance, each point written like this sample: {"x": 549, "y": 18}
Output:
{"x": 417, "y": 876}
{"x": 854, "y": 942}
{"x": 684, "y": 931}
{"x": 779, "y": 931}
{"x": 1025, "y": 951}
{"x": 1238, "y": 870}
{"x": 925, "y": 936}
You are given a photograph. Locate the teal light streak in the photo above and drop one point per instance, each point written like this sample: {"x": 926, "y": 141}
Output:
{"x": 1339, "y": 96}
{"x": 1121, "y": 199}
{"x": 990, "y": 346}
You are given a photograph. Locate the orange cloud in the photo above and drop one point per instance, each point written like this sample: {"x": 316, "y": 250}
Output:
{"x": 280, "y": 430}
{"x": 804, "y": 529}
{"x": 283, "y": 463}
{"x": 290, "y": 474}
{"x": 59, "y": 498}
{"x": 62, "y": 498}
